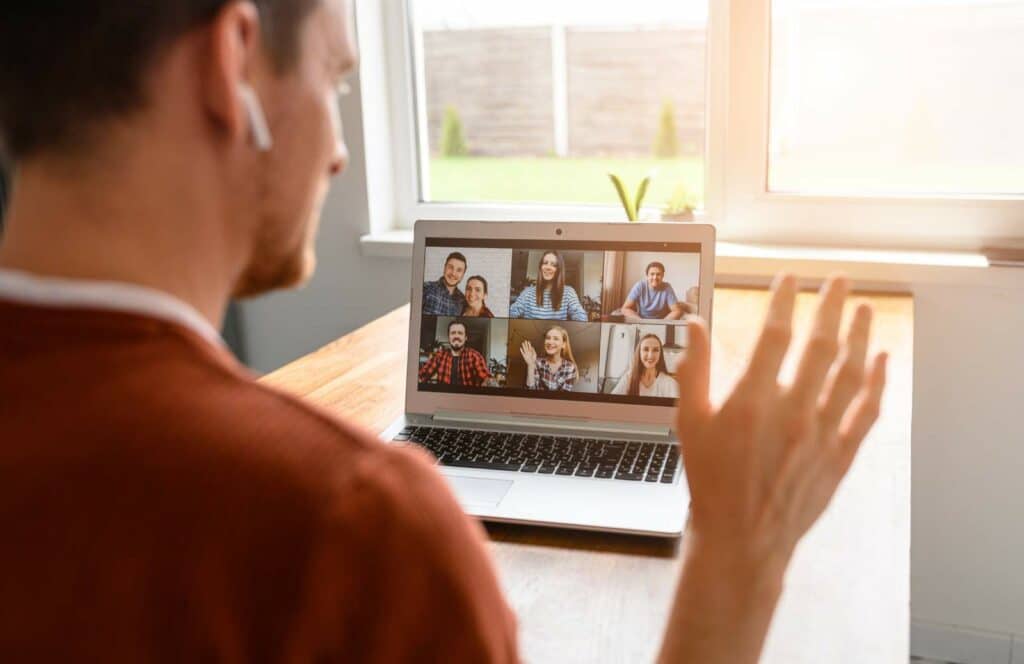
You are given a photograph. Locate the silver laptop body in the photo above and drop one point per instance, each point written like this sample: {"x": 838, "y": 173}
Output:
{"x": 595, "y": 415}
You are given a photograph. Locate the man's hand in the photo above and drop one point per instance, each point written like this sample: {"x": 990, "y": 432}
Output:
{"x": 763, "y": 467}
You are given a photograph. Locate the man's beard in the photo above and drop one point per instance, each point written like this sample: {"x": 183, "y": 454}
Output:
{"x": 270, "y": 268}
{"x": 267, "y": 275}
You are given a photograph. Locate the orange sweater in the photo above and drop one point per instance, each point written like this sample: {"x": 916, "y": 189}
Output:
{"x": 157, "y": 504}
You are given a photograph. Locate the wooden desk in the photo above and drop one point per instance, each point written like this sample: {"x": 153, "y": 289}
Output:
{"x": 592, "y": 597}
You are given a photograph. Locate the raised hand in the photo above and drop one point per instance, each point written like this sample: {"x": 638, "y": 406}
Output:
{"x": 528, "y": 353}
{"x": 763, "y": 467}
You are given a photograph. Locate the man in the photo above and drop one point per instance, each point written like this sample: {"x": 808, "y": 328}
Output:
{"x": 456, "y": 365}
{"x": 653, "y": 297}
{"x": 443, "y": 297}
{"x": 158, "y": 504}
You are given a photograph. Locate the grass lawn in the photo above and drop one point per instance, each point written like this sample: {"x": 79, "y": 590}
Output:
{"x": 558, "y": 180}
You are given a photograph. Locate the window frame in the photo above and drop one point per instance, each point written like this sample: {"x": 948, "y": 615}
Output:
{"x": 737, "y": 199}
{"x": 756, "y": 215}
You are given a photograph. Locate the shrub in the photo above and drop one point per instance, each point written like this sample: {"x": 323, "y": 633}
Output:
{"x": 453, "y": 142}
{"x": 666, "y": 144}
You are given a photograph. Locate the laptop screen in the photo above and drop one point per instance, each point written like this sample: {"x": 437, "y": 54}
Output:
{"x": 573, "y": 320}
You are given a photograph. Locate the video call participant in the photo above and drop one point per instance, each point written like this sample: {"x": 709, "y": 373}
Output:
{"x": 457, "y": 364}
{"x": 551, "y": 298}
{"x": 653, "y": 297}
{"x": 556, "y": 371}
{"x": 443, "y": 297}
{"x": 476, "y": 294}
{"x": 648, "y": 376}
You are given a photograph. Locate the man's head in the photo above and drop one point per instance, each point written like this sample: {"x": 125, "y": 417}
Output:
{"x": 456, "y": 335}
{"x": 454, "y": 269}
{"x": 121, "y": 84}
{"x": 655, "y": 275}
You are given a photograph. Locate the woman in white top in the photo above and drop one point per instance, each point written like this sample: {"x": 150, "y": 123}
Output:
{"x": 649, "y": 376}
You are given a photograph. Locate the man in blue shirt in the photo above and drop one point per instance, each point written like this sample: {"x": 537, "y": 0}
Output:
{"x": 653, "y": 297}
{"x": 443, "y": 297}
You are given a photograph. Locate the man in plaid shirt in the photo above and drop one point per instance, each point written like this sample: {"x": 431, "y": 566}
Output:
{"x": 443, "y": 297}
{"x": 456, "y": 365}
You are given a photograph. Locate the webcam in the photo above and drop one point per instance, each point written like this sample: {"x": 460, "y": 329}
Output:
{"x": 558, "y": 231}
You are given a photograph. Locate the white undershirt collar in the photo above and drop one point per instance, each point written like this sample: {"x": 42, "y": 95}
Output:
{"x": 28, "y": 288}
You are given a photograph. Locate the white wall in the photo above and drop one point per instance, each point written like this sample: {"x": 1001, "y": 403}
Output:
{"x": 967, "y": 558}
{"x": 499, "y": 340}
{"x": 968, "y": 440}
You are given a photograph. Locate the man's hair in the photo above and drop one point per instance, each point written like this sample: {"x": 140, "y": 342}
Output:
{"x": 68, "y": 66}
{"x": 654, "y": 264}
{"x": 457, "y": 256}
{"x": 480, "y": 279}
{"x": 456, "y": 321}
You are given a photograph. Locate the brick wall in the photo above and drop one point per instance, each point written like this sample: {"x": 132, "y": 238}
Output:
{"x": 618, "y": 81}
{"x": 500, "y": 81}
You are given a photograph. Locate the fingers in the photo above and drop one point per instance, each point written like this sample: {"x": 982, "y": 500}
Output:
{"x": 694, "y": 371}
{"x": 848, "y": 379}
{"x": 864, "y": 412}
{"x": 775, "y": 334}
{"x": 822, "y": 346}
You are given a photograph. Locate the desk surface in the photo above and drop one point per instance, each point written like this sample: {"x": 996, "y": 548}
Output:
{"x": 592, "y": 597}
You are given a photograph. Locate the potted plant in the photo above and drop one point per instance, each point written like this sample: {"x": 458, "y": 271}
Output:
{"x": 630, "y": 203}
{"x": 680, "y": 205}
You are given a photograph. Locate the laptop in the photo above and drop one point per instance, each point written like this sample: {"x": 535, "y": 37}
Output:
{"x": 540, "y": 367}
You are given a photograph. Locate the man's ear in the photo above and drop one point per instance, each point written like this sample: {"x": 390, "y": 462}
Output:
{"x": 233, "y": 49}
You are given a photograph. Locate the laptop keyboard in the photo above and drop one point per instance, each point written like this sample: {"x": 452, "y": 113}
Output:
{"x": 548, "y": 455}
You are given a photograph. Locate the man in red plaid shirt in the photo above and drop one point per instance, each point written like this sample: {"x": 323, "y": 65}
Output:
{"x": 457, "y": 364}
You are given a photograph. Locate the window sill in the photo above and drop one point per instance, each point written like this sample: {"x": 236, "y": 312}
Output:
{"x": 738, "y": 264}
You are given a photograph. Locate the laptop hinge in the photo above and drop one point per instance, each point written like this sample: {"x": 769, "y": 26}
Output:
{"x": 534, "y": 421}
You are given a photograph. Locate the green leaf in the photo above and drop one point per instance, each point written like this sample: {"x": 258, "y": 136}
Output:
{"x": 623, "y": 196}
{"x": 641, "y": 192}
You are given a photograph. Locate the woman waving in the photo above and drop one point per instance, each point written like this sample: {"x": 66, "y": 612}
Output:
{"x": 556, "y": 370}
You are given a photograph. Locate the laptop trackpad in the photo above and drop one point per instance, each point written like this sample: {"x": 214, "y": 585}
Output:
{"x": 479, "y": 491}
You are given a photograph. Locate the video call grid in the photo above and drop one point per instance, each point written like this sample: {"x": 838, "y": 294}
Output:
{"x": 603, "y": 343}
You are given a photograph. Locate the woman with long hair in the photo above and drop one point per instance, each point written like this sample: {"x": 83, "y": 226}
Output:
{"x": 556, "y": 369}
{"x": 476, "y": 296}
{"x": 648, "y": 376}
{"x": 550, "y": 298}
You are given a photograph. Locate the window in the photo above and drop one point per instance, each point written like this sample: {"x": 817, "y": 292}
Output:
{"x": 536, "y": 102}
{"x": 920, "y": 97}
{"x": 867, "y": 123}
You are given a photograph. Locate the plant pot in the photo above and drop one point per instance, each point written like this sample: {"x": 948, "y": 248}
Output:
{"x": 677, "y": 216}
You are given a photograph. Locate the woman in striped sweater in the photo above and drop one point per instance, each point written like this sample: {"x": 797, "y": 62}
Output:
{"x": 551, "y": 298}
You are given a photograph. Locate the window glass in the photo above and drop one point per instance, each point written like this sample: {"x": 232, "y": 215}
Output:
{"x": 537, "y": 101}
{"x": 897, "y": 97}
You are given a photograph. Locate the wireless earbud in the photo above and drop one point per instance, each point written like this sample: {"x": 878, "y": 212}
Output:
{"x": 257, "y": 120}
